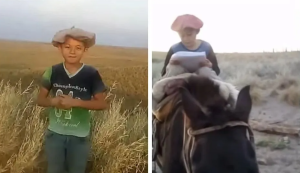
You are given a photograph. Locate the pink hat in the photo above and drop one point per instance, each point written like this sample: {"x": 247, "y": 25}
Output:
{"x": 186, "y": 20}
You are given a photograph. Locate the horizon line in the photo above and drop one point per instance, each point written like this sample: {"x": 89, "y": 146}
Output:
{"x": 96, "y": 44}
{"x": 241, "y": 52}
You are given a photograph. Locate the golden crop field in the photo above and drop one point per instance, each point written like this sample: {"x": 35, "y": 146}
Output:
{"x": 117, "y": 135}
{"x": 126, "y": 66}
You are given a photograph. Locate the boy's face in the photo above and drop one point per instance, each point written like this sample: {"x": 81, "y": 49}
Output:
{"x": 72, "y": 50}
{"x": 188, "y": 35}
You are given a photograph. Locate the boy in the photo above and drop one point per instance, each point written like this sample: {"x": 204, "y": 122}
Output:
{"x": 75, "y": 88}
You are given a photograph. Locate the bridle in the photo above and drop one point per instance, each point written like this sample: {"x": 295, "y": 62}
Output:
{"x": 220, "y": 127}
{"x": 189, "y": 138}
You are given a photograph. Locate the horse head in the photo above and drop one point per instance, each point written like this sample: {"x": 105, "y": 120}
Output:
{"x": 218, "y": 129}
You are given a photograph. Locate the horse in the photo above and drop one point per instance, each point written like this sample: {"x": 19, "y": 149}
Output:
{"x": 204, "y": 134}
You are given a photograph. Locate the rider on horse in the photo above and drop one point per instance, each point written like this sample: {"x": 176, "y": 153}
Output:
{"x": 188, "y": 57}
{"x": 185, "y": 59}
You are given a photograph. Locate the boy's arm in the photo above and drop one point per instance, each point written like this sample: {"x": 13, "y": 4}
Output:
{"x": 42, "y": 99}
{"x": 213, "y": 59}
{"x": 168, "y": 57}
{"x": 98, "y": 101}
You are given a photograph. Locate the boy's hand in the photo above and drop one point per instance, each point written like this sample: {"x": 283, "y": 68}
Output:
{"x": 67, "y": 102}
{"x": 206, "y": 63}
{"x": 55, "y": 102}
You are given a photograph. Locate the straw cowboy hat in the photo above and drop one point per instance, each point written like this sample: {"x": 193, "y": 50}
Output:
{"x": 88, "y": 38}
{"x": 186, "y": 20}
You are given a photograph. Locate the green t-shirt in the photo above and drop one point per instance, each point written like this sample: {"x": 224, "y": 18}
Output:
{"x": 82, "y": 85}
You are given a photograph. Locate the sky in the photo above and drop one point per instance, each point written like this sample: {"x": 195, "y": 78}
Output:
{"x": 231, "y": 25}
{"x": 115, "y": 22}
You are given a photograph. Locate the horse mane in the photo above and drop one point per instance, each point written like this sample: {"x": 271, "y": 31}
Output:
{"x": 208, "y": 95}
{"x": 205, "y": 90}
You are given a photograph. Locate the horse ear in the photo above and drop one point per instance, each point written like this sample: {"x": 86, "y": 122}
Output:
{"x": 191, "y": 106}
{"x": 244, "y": 103}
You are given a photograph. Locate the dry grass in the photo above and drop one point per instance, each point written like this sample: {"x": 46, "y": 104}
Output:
{"x": 269, "y": 74}
{"x": 126, "y": 66}
{"x": 119, "y": 139}
{"x": 119, "y": 135}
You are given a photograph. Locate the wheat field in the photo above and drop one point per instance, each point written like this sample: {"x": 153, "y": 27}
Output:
{"x": 119, "y": 135}
{"x": 275, "y": 91}
{"x": 126, "y": 66}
